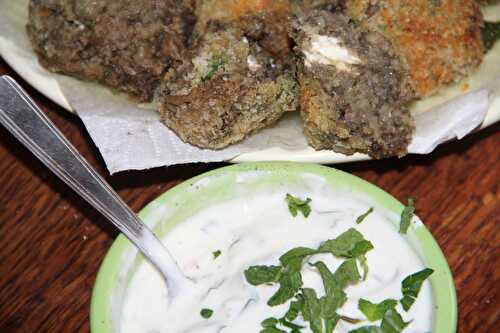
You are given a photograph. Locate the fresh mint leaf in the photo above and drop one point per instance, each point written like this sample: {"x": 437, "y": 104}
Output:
{"x": 362, "y": 217}
{"x": 350, "y": 320}
{"x": 320, "y": 313}
{"x": 347, "y": 274}
{"x": 290, "y": 283}
{"x": 295, "y": 255}
{"x": 367, "y": 329}
{"x": 349, "y": 244}
{"x": 291, "y": 325}
{"x": 490, "y": 33}
{"x": 216, "y": 254}
{"x": 392, "y": 322}
{"x": 332, "y": 288}
{"x": 269, "y": 322}
{"x": 361, "y": 248}
{"x": 294, "y": 309}
{"x": 364, "y": 264}
{"x": 406, "y": 216}
{"x": 374, "y": 312}
{"x": 257, "y": 275}
{"x": 206, "y": 313}
{"x": 411, "y": 286}
{"x": 296, "y": 205}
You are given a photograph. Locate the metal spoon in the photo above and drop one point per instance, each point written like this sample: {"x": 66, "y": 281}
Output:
{"x": 20, "y": 115}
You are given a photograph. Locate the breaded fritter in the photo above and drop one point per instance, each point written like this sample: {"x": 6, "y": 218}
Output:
{"x": 439, "y": 40}
{"x": 263, "y": 20}
{"x": 354, "y": 90}
{"x": 229, "y": 89}
{"x": 127, "y": 45}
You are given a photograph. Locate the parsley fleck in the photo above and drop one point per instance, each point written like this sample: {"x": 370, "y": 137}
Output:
{"x": 362, "y": 217}
{"x": 406, "y": 216}
{"x": 215, "y": 64}
{"x": 296, "y": 205}
{"x": 216, "y": 254}
{"x": 411, "y": 286}
{"x": 206, "y": 313}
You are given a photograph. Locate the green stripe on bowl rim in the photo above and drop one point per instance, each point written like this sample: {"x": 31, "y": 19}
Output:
{"x": 445, "y": 302}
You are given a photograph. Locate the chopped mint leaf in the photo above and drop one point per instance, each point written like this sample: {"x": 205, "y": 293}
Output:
{"x": 411, "y": 286}
{"x": 364, "y": 265}
{"x": 269, "y": 322}
{"x": 367, "y": 329}
{"x": 350, "y": 244}
{"x": 392, "y": 322}
{"x": 206, "y": 313}
{"x": 362, "y": 217}
{"x": 291, "y": 325}
{"x": 294, "y": 309}
{"x": 296, "y": 205}
{"x": 406, "y": 216}
{"x": 216, "y": 254}
{"x": 347, "y": 274}
{"x": 257, "y": 275}
{"x": 332, "y": 287}
{"x": 290, "y": 283}
{"x": 374, "y": 312}
{"x": 350, "y": 320}
{"x": 291, "y": 257}
{"x": 320, "y": 313}
{"x": 490, "y": 33}
{"x": 215, "y": 64}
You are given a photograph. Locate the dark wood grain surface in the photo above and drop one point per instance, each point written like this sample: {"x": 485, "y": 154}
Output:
{"x": 52, "y": 243}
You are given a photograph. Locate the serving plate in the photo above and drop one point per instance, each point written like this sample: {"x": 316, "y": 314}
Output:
{"x": 28, "y": 68}
{"x": 247, "y": 179}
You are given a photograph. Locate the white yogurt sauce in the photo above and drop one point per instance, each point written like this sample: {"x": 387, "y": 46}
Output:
{"x": 256, "y": 231}
{"x": 326, "y": 50}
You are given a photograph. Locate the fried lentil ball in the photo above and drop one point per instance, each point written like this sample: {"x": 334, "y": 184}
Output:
{"x": 354, "y": 91}
{"x": 127, "y": 45}
{"x": 439, "y": 40}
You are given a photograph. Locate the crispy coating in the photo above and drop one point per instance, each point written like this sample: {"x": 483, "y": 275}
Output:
{"x": 127, "y": 45}
{"x": 439, "y": 40}
{"x": 231, "y": 88}
{"x": 263, "y": 20}
{"x": 356, "y": 102}
{"x": 301, "y": 5}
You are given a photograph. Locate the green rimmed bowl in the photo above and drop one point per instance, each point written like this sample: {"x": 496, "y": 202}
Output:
{"x": 215, "y": 187}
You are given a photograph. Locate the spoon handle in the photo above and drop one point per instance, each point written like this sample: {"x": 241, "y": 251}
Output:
{"x": 20, "y": 115}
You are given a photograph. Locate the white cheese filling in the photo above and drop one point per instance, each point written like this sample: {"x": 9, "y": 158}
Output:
{"x": 326, "y": 50}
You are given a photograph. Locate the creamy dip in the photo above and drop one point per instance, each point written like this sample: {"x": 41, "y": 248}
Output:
{"x": 257, "y": 230}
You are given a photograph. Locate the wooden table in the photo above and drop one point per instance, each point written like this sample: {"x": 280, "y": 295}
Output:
{"x": 52, "y": 243}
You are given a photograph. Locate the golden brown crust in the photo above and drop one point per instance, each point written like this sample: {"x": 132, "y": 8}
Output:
{"x": 439, "y": 40}
{"x": 272, "y": 13}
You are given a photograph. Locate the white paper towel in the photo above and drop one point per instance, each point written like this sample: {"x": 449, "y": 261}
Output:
{"x": 130, "y": 137}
